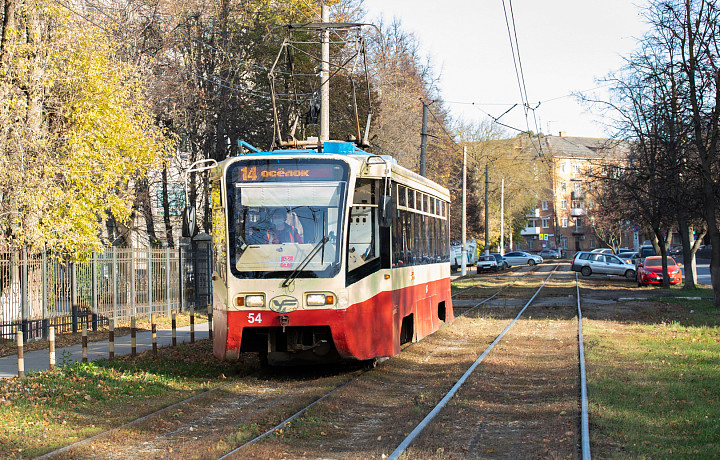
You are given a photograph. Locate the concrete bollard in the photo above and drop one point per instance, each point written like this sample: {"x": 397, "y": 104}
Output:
{"x": 153, "y": 328}
{"x": 210, "y": 326}
{"x": 174, "y": 330}
{"x": 51, "y": 339}
{"x": 133, "y": 340}
{"x": 21, "y": 357}
{"x": 111, "y": 339}
{"x": 192, "y": 324}
{"x": 84, "y": 342}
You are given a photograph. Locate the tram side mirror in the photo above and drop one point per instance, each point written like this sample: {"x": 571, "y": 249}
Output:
{"x": 386, "y": 209}
{"x": 189, "y": 225}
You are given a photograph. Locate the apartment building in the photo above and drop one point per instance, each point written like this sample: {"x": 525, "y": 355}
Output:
{"x": 563, "y": 217}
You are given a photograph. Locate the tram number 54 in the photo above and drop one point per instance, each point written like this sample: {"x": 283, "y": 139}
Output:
{"x": 254, "y": 318}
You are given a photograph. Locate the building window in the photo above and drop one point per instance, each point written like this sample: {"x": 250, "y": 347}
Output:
{"x": 546, "y": 222}
{"x": 563, "y": 204}
{"x": 578, "y": 222}
{"x": 564, "y": 222}
{"x": 563, "y": 186}
{"x": 577, "y": 170}
{"x": 531, "y": 223}
{"x": 176, "y": 199}
{"x": 578, "y": 188}
{"x": 592, "y": 243}
{"x": 544, "y": 205}
{"x": 562, "y": 168}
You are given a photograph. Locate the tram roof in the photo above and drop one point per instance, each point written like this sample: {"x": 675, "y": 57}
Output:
{"x": 349, "y": 149}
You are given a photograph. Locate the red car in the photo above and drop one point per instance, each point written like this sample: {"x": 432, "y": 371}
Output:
{"x": 650, "y": 271}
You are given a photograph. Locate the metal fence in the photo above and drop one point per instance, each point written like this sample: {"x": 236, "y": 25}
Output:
{"x": 38, "y": 291}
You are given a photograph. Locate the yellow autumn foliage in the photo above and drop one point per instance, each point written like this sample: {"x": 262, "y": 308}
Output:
{"x": 62, "y": 173}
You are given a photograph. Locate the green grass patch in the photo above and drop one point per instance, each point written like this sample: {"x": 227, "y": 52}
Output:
{"x": 51, "y": 409}
{"x": 654, "y": 389}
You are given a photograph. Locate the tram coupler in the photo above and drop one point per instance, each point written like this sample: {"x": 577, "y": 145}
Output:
{"x": 284, "y": 321}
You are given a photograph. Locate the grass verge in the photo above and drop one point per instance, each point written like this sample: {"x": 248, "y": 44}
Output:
{"x": 654, "y": 388}
{"x": 51, "y": 409}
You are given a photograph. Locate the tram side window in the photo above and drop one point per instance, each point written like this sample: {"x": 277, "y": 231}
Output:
{"x": 363, "y": 248}
{"x": 402, "y": 196}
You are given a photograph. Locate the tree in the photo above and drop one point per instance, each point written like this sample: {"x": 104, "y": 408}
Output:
{"x": 668, "y": 99}
{"x": 76, "y": 131}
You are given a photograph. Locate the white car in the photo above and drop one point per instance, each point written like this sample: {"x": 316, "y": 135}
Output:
{"x": 486, "y": 262}
{"x": 522, "y": 258}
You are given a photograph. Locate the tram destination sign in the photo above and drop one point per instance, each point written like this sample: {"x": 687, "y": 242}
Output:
{"x": 287, "y": 172}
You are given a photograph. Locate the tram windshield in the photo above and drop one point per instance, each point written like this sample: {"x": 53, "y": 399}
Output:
{"x": 280, "y": 210}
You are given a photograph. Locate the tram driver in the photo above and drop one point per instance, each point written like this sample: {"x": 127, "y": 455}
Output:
{"x": 281, "y": 231}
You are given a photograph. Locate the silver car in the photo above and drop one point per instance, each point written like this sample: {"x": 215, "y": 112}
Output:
{"x": 588, "y": 263}
{"x": 522, "y": 258}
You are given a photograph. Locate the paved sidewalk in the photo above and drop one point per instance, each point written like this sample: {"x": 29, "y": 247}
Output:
{"x": 40, "y": 360}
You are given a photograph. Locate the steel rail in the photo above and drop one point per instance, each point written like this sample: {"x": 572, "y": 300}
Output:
{"x": 303, "y": 410}
{"x": 584, "y": 420}
{"x": 436, "y": 410}
{"x": 65, "y": 449}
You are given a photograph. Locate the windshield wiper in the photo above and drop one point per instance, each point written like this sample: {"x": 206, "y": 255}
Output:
{"x": 294, "y": 274}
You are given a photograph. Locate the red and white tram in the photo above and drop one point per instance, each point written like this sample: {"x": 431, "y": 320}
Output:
{"x": 326, "y": 256}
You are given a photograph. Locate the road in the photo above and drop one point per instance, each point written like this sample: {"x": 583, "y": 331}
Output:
{"x": 703, "y": 273}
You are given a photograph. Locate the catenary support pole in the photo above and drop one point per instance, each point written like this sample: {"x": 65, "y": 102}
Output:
{"x": 463, "y": 254}
{"x": 501, "y": 249}
{"x": 423, "y": 140}
{"x": 487, "y": 210}
{"x": 325, "y": 77}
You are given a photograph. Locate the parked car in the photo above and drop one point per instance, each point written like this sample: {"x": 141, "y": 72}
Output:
{"x": 588, "y": 263}
{"x": 629, "y": 257}
{"x": 501, "y": 263}
{"x": 549, "y": 254}
{"x": 486, "y": 262}
{"x": 675, "y": 251}
{"x": 650, "y": 271}
{"x": 522, "y": 258}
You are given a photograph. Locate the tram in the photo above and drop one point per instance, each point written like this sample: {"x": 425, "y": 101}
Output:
{"x": 326, "y": 255}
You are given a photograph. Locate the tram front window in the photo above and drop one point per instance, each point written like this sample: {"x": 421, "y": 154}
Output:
{"x": 276, "y": 224}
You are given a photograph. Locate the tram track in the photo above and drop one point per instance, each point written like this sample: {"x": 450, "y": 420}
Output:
{"x": 215, "y": 430}
{"x": 392, "y": 395}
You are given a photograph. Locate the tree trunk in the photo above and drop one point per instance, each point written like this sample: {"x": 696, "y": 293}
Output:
{"x": 166, "y": 208}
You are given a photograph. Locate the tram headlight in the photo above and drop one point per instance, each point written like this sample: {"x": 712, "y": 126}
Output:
{"x": 254, "y": 301}
{"x": 317, "y": 300}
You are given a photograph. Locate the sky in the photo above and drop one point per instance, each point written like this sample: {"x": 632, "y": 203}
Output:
{"x": 565, "y": 47}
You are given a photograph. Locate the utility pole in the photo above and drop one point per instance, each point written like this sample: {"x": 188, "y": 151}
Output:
{"x": 463, "y": 255}
{"x": 325, "y": 78}
{"x": 501, "y": 250}
{"x": 423, "y": 140}
{"x": 487, "y": 208}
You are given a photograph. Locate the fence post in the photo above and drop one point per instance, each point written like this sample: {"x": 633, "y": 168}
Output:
{"x": 21, "y": 355}
{"x": 114, "y": 282}
{"x": 133, "y": 307}
{"x": 23, "y": 294}
{"x": 94, "y": 292}
{"x": 51, "y": 339}
{"x": 73, "y": 297}
{"x": 180, "y": 279}
{"x": 46, "y": 320}
{"x": 149, "y": 279}
{"x": 167, "y": 278}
